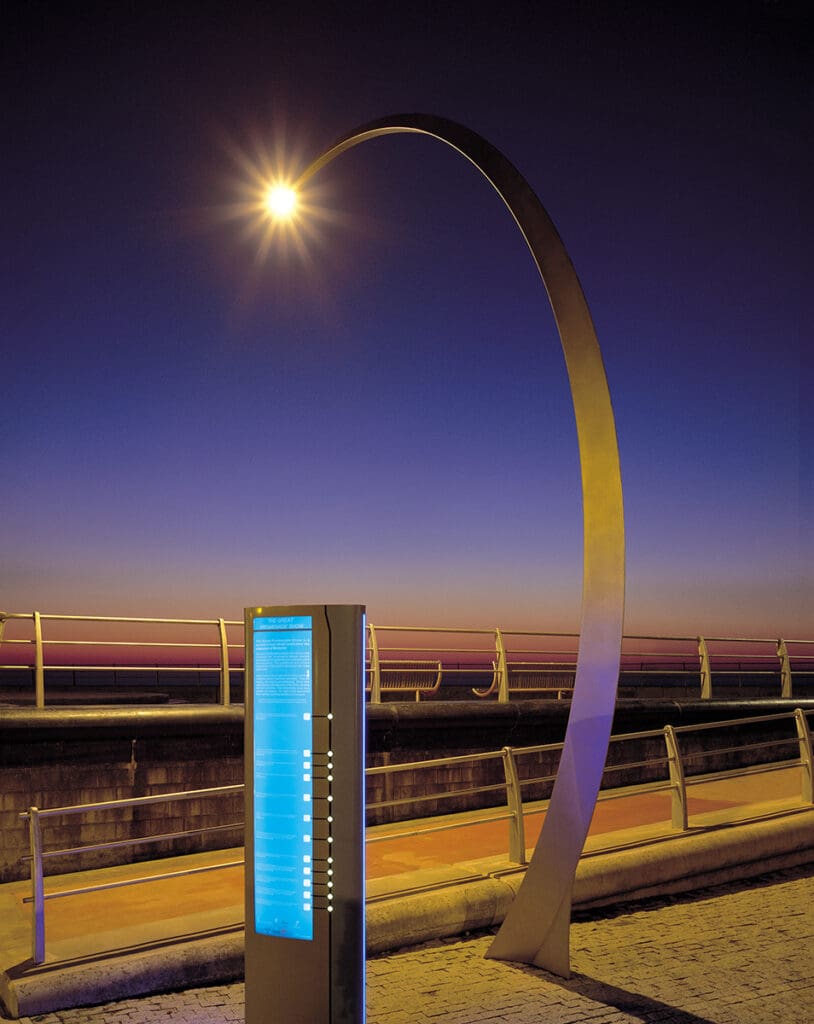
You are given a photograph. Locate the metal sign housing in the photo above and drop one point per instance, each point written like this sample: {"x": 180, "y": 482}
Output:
{"x": 304, "y": 757}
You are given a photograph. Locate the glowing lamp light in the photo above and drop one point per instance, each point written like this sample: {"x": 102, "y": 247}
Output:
{"x": 281, "y": 201}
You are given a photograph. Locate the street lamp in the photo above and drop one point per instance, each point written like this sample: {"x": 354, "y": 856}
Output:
{"x": 280, "y": 201}
{"x": 537, "y": 925}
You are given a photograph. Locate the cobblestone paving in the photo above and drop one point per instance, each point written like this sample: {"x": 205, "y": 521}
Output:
{"x": 734, "y": 954}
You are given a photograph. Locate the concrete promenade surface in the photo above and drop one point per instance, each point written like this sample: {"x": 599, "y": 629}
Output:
{"x": 740, "y": 953}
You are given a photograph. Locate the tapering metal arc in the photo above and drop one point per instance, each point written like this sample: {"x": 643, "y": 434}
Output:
{"x": 536, "y": 927}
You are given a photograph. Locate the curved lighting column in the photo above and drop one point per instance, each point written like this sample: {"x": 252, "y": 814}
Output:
{"x": 536, "y": 927}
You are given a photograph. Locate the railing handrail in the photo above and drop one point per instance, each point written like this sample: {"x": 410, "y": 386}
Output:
{"x": 463, "y": 630}
{"x": 118, "y": 618}
{"x": 677, "y": 783}
{"x": 451, "y": 760}
{"x": 135, "y": 801}
{"x": 788, "y": 659}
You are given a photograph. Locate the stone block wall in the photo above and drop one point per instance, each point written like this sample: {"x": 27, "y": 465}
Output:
{"x": 59, "y": 757}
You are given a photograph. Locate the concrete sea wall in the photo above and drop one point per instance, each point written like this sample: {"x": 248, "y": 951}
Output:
{"x": 56, "y": 757}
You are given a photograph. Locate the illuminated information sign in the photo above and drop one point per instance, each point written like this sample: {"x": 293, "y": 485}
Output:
{"x": 304, "y": 793}
{"x": 283, "y": 795}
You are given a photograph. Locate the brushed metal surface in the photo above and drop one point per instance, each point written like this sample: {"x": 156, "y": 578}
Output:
{"x": 536, "y": 929}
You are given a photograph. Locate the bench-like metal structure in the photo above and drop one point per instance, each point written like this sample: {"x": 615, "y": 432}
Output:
{"x": 532, "y": 677}
{"x": 406, "y": 676}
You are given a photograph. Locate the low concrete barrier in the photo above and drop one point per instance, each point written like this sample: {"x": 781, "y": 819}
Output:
{"x": 679, "y": 863}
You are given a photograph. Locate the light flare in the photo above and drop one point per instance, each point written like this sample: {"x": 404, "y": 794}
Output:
{"x": 281, "y": 201}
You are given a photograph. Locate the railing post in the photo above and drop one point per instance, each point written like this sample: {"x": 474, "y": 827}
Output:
{"x": 225, "y": 692}
{"x": 39, "y": 663}
{"x": 806, "y": 756}
{"x": 706, "y": 672}
{"x": 785, "y": 669}
{"x": 37, "y": 887}
{"x": 502, "y": 669}
{"x": 375, "y": 671}
{"x": 678, "y": 785}
{"x": 514, "y": 799}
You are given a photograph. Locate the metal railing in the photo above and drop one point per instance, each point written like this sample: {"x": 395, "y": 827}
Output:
{"x": 673, "y": 761}
{"x": 414, "y": 659}
{"x": 523, "y": 661}
{"x": 219, "y": 644}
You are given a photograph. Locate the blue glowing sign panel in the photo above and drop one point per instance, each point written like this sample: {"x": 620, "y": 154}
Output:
{"x": 283, "y": 791}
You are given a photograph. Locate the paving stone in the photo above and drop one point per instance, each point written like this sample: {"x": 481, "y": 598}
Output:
{"x": 736, "y": 954}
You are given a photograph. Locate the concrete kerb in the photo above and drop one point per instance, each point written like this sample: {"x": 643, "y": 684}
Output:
{"x": 678, "y": 864}
{"x": 681, "y": 863}
{"x": 693, "y": 860}
{"x": 205, "y": 960}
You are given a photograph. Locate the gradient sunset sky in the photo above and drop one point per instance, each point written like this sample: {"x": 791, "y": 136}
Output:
{"x": 376, "y": 409}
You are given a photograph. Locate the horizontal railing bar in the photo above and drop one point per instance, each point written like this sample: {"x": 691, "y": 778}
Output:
{"x": 539, "y": 748}
{"x": 658, "y": 636}
{"x": 125, "y": 643}
{"x": 635, "y": 764}
{"x": 121, "y": 618}
{"x": 731, "y": 773}
{"x": 139, "y": 841}
{"x": 754, "y": 656}
{"x": 29, "y": 616}
{"x": 449, "y": 669}
{"x": 660, "y": 655}
{"x": 539, "y": 650}
{"x": 29, "y": 667}
{"x": 137, "y": 881}
{"x": 538, "y": 779}
{"x": 564, "y": 688}
{"x": 429, "y": 650}
{"x": 658, "y": 786}
{"x": 136, "y": 801}
{"x": 757, "y": 720}
{"x": 532, "y": 666}
{"x": 436, "y": 629}
{"x": 436, "y": 650}
{"x": 442, "y": 795}
{"x": 436, "y": 762}
{"x": 410, "y": 670}
{"x": 408, "y": 661}
{"x": 537, "y": 632}
{"x": 744, "y": 671}
{"x": 457, "y": 667}
{"x": 668, "y": 671}
{"x": 134, "y": 668}
{"x": 531, "y": 632}
{"x": 741, "y": 639}
{"x": 644, "y": 734}
{"x": 690, "y": 754}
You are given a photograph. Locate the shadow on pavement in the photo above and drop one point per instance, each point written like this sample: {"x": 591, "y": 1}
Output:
{"x": 639, "y": 1007}
{"x": 634, "y": 1004}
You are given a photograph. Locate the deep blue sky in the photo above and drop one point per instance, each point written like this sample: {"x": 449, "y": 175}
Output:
{"x": 381, "y": 414}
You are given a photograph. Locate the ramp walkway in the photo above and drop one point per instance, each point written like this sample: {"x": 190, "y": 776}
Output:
{"x": 129, "y": 940}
